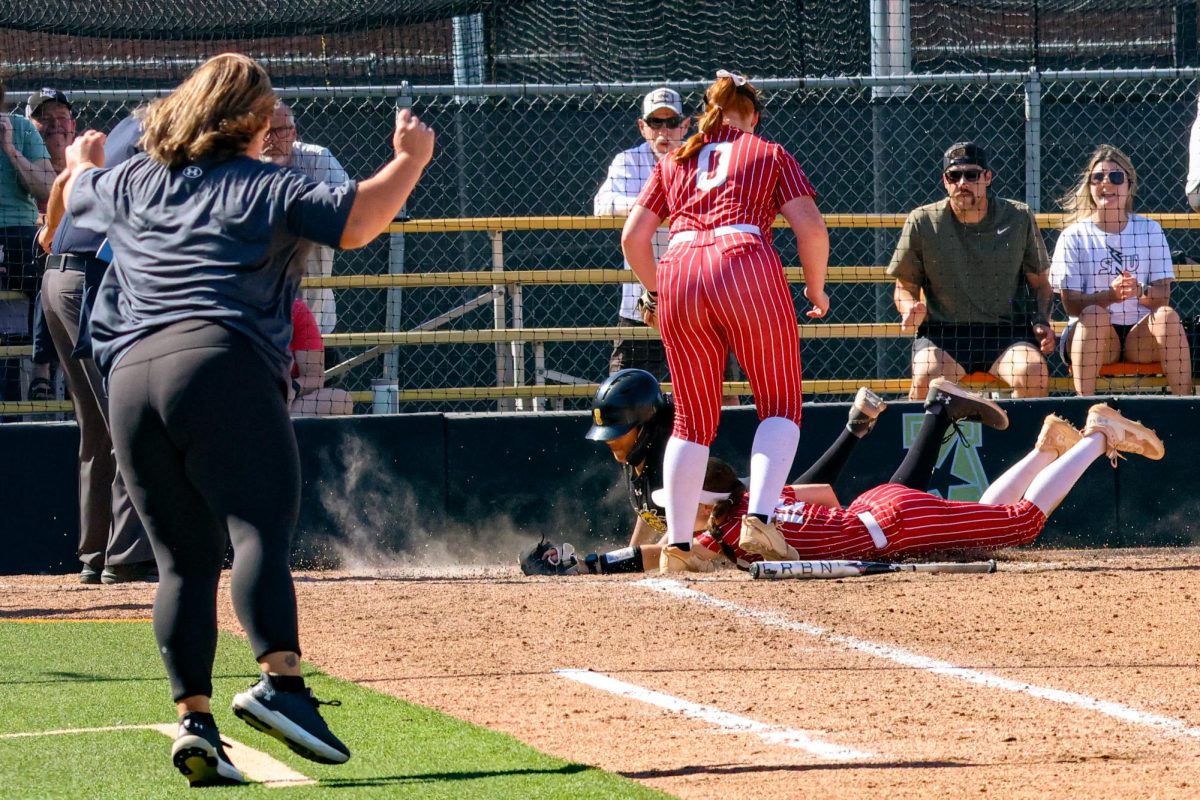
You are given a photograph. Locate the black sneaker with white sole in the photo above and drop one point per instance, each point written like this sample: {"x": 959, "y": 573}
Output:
{"x": 292, "y": 718}
{"x": 200, "y": 756}
{"x": 963, "y": 404}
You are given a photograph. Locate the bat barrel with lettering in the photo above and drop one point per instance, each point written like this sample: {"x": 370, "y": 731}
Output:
{"x": 807, "y": 570}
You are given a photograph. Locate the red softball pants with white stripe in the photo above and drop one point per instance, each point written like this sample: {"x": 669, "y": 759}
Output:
{"x": 722, "y": 293}
{"x": 916, "y": 522}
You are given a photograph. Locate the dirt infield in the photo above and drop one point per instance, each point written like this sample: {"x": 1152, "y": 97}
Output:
{"x": 1063, "y": 674}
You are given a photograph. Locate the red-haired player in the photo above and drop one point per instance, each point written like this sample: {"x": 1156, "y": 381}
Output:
{"x": 720, "y": 286}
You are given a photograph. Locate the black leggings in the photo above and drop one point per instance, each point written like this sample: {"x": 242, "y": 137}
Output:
{"x": 914, "y": 472}
{"x": 203, "y": 438}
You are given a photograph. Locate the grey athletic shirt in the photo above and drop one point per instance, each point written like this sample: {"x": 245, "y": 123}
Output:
{"x": 212, "y": 240}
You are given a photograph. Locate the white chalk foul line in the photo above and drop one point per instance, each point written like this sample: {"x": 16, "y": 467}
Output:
{"x": 723, "y": 720}
{"x": 254, "y": 764}
{"x": 1168, "y": 725}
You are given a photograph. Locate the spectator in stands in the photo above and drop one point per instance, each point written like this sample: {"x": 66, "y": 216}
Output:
{"x": 25, "y": 178}
{"x": 191, "y": 327}
{"x": 663, "y": 126}
{"x": 112, "y": 542}
{"x": 309, "y": 397}
{"x": 1192, "y": 184}
{"x": 50, "y": 112}
{"x": 1113, "y": 270}
{"x": 318, "y": 163}
{"x": 968, "y": 254}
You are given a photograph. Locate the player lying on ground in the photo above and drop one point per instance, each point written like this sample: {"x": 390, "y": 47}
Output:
{"x": 945, "y": 404}
{"x": 895, "y": 521}
{"x": 634, "y": 418}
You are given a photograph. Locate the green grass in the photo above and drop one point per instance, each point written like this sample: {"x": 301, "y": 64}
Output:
{"x": 88, "y": 675}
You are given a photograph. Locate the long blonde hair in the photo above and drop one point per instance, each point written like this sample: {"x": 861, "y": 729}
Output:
{"x": 1078, "y": 203}
{"x": 722, "y": 96}
{"x": 215, "y": 113}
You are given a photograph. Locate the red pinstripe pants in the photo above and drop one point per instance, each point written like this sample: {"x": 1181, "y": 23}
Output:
{"x": 916, "y": 522}
{"x": 717, "y": 294}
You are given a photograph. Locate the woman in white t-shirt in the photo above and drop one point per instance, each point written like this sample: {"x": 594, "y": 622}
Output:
{"x": 1112, "y": 269}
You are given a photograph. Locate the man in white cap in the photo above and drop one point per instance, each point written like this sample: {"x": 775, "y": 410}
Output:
{"x": 663, "y": 126}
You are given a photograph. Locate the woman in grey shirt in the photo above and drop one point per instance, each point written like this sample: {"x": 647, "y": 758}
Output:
{"x": 191, "y": 326}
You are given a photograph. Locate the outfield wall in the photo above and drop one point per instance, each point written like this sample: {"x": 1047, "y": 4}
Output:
{"x": 422, "y": 488}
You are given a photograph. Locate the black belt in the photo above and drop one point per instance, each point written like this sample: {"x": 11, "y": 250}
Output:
{"x": 67, "y": 261}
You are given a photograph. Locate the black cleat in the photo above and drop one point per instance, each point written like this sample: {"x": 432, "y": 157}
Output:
{"x": 961, "y": 404}
{"x": 200, "y": 756}
{"x": 866, "y": 409}
{"x": 292, "y": 718}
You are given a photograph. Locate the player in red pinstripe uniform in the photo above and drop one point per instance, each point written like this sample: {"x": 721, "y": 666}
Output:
{"x": 720, "y": 287}
{"x": 893, "y": 521}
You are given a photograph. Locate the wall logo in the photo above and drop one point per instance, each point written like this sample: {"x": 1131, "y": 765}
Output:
{"x": 958, "y": 474}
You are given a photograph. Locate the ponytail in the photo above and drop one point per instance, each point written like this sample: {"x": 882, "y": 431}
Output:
{"x": 710, "y": 121}
{"x": 727, "y": 93}
{"x": 720, "y": 477}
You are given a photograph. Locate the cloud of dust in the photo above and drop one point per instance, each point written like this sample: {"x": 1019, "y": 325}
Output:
{"x": 1178, "y": 526}
{"x": 383, "y": 525}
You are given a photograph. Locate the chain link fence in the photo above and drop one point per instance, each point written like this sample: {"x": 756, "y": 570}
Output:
{"x": 871, "y": 145}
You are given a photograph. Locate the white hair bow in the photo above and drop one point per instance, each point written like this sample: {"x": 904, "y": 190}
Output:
{"x": 738, "y": 80}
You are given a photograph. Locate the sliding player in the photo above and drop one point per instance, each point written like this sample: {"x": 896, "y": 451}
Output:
{"x": 894, "y": 521}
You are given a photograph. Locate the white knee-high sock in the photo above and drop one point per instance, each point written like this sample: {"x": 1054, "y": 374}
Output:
{"x": 1011, "y": 485}
{"x": 1052, "y": 484}
{"x": 771, "y": 458}
{"x": 684, "y": 464}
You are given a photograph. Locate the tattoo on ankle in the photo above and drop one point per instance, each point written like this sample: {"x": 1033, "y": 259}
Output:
{"x": 291, "y": 660}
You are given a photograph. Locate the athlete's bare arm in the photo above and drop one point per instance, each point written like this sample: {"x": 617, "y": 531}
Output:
{"x": 812, "y": 245}
{"x": 637, "y": 242}
{"x": 643, "y": 534}
{"x": 819, "y": 494}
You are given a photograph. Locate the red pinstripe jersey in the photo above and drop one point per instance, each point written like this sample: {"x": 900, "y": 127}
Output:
{"x": 735, "y": 178}
{"x": 913, "y": 521}
{"x": 815, "y": 531}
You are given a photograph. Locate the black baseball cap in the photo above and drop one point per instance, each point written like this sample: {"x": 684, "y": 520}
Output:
{"x": 42, "y": 96}
{"x": 965, "y": 153}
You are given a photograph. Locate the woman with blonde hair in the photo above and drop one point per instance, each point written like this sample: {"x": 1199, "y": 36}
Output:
{"x": 1112, "y": 269}
{"x": 191, "y": 326}
{"x": 719, "y": 287}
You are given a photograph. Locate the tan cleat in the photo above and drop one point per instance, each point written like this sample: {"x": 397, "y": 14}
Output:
{"x": 765, "y": 540}
{"x": 1057, "y": 435}
{"x": 672, "y": 559}
{"x": 1123, "y": 435}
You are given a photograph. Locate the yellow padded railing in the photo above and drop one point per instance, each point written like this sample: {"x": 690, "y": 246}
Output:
{"x": 502, "y": 224}
{"x": 849, "y": 274}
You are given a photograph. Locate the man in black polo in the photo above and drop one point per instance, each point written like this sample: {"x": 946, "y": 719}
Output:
{"x": 112, "y": 543}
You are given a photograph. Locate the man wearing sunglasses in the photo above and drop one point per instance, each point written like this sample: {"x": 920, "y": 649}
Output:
{"x": 958, "y": 268}
{"x": 663, "y": 127}
{"x": 317, "y": 162}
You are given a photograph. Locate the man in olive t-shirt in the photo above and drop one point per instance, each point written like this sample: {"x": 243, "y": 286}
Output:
{"x": 968, "y": 255}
